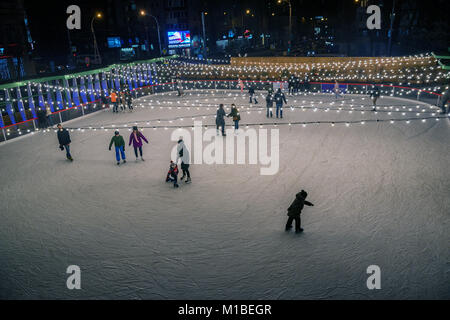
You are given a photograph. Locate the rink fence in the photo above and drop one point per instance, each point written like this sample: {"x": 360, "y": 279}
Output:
{"x": 31, "y": 124}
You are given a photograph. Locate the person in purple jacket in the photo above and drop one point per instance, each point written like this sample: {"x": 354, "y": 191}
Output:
{"x": 136, "y": 138}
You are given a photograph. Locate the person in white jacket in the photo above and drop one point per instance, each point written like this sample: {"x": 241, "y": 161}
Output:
{"x": 183, "y": 154}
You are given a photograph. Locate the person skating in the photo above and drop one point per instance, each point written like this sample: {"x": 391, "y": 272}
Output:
{"x": 252, "y": 94}
{"x": 269, "y": 105}
{"x": 236, "y": 117}
{"x": 295, "y": 210}
{"x": 172, "y": 175}
{"x": 279, "y": 99}
{"x": 374, "y": 95}
{"x": 48, "y": 116}
{"x": 220, "y": 121}
{"x": 64, "y": 141}
{"x": 183, "y": 154}
{"x": 241, "y": 85}
{"x": 136, "y": 138}
{"x": 291, "y": 84}
{"x": 119, "y": 144}
{"x": 41, "y": 114}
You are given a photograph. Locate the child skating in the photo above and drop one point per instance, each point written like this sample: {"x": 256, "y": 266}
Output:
{"x": 295, "y": 210}
{"x": 119, "y": 144}
{"x": 172, "y": 175}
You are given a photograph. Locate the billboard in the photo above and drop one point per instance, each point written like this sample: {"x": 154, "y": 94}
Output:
{"x": 179, "y": 39}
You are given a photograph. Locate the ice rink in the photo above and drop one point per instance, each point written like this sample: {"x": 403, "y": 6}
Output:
{"x": 380, "y": 189}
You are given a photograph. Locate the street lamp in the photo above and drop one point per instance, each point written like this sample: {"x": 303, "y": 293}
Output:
{"x": 143, "y": 14}
{"x": 290, "y": 21}
{"x": 97, "y": 57}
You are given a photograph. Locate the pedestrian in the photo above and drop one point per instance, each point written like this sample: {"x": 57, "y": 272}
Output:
{"x": 297, "y": 85}
{"x": 64, "y": 141}
{"x": 374, "y": 95}
{"x": 103, "y": 101}
{"x": 236, "y": 117}
{"x": 443, "y": 101}
{"x": 122, "y": 101}
{"x": 269, "y": 105}
{"x": 113, "y": 97}
{"x": 337, "y": 90}
{"x": 295, "y": 210}
{"x": 179, "y": 87}
{"x": 183, "y": 154}
{"x": 49, "y": 117}
{"x": 279, "y": 99}
{"x": 220, "y": 121}
{"x": 252, "y": 93}
{"x": 119, "y": 144}
{"x": 306, "y": 84}
{"x": 136, "y": 138}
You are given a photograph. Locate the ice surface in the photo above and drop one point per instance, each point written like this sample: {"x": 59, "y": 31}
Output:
{"x": 381, "y": 192}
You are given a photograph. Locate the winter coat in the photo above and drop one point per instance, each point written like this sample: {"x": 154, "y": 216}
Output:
{"x": 297, "y": 206}
{"x": 251, "y": 90}
{"x": 375, "y": 92}
{"x": 137, "y": 141}
{"x": 220, "y": 116}
{"x": 183, "y": 153}
{"x": 235, "y": 114}
{"x": 269, "y": 101}
{"x": 113, "y": 97}
{"x": 64, "y": 137}
{"x": 118, "y": 142}
{"x": 279, "y": 98}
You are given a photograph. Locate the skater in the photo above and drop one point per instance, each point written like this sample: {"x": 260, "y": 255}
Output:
{"x": 64, "y": 141}
{"x": 306, "y": 83}
{"x": 295, "y": 210}
{"x": 269, "y": 105}
{"x": 136, "y": 138}
{"x": 291, "y": 84}
{"x": 172, "y": 175}
{"x": 443, "y": 100}
{"x": 113, "y": 97}
{"x": 119, "y": 144}
{"x": 122, "y": 101}
{"x": 179, "y": 87}
{"x": 337, "y": 91}
{"x": 252, "y": 93}
{"x": 236, "y": 117}
{"x": 241, "y": 85}
{"x": 129, "y": 100}
{"x": 183, "y": 154}
{"x": 374, "y": 95}
{"x": 279, "y": 99}
{"x": 104, "y": 102}
{"x": 220, "y": 121}
{"x": 297, "y": 85}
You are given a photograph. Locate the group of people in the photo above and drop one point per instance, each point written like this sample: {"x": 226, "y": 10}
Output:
{"x": 220, "y": 118}
{"x": 295, "y": 85}
{"x": 137, "y": 140}
{"x": 279, "y": 99}
{"x": 122, "y": 99}
{"x": 44, "y": 116}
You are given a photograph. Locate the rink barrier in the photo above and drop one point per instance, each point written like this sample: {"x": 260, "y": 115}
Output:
{"x": 28, "y": 126}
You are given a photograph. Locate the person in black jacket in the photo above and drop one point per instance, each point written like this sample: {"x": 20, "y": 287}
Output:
{"x": 64, "y": 141}
{"x": 295, "y": 210}
{"x": 279, "y": 99}
{"x": 252, "y": 93}
{"x": 443, "y": 100}
{"x": 220, "y": 121}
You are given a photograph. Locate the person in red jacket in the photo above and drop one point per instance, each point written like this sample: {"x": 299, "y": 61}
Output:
{"x": 172, "y": 175}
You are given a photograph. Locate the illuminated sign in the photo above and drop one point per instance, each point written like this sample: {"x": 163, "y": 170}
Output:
{"x": 179, "y": 39}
